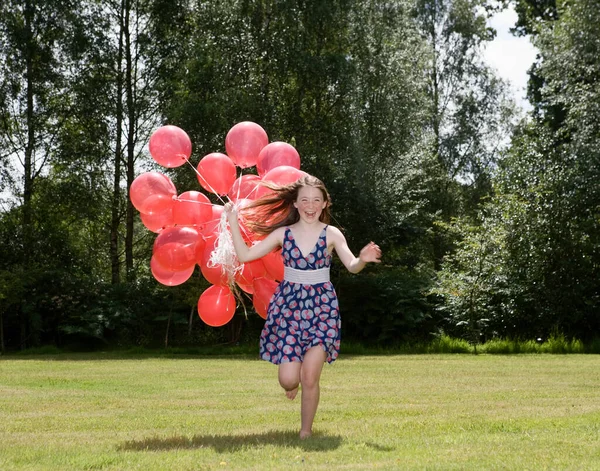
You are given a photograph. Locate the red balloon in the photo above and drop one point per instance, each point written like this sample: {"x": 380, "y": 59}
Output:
{"x": 200, "y": 246}
{"x": 175, "y": 248}
{"x": 250, "y": 271}
{"x": 167, "y": 277}
{"x": 158, "y": 221}
{"x": 152, "y": 192}
{"x": 212, "y": 240}
{"x": 216, "y": 306}
{"x": 170, "y": 146}
{"x": 192, "y": 208}
{"x": 274, "y": 264}
{"x": 244, "y": 287}
{"x": 243, "y": 143}
{"x": 244, "y": 187}
{"x": 158, "y": 204}
{"x": 277, "y": 154}
{"x": 282, "y": 175}
{"x": 264, "y": 289}
{"x": 216, "y": 173}
{"x": 213, "y": 275}
{"x": 211, "y": 227}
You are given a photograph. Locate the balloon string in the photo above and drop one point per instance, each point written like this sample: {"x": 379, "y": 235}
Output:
{"x": 193, "y": 201}
{"x": 224, "y": 252}
{"x": 212, "y": 190}
{"x": 253, "y": 190}
{"x": 239, "y": 187}
{"x": 224, "y": 255}
{"x": 238, "y": 295}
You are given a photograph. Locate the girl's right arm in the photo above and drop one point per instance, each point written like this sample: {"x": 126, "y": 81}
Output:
{"x": 264, "y": 247}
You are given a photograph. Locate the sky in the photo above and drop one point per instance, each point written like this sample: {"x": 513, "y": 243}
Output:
{"x": 511, "y": 56}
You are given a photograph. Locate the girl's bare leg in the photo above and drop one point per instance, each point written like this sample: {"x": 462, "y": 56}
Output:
{"x": 310, "y": 374}
{"x": 289, "y": 377}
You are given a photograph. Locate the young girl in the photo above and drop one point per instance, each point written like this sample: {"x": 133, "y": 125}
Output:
{"x": 302, "y": 330}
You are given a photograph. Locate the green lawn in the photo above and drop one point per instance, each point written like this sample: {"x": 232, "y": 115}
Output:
{"x": 104, "y": 411}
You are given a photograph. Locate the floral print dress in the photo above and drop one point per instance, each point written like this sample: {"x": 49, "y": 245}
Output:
{"x": 301, "y": 316}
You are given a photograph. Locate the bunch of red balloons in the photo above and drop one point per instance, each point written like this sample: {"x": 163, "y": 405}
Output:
{"x": 187, "y": 224}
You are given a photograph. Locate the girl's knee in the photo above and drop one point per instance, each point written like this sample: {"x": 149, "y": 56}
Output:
{"x": 289, "y": 382}
{"x": 310, "y": 377}
{"x": 312, "y": 367}
{"x": 289, "y": 376}
{"x": 310, "y": 381}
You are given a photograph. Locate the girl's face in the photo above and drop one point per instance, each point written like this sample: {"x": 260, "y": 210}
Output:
{"x": 310, "y": 203}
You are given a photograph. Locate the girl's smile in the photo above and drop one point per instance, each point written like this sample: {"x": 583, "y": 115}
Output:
{"x": 310, "y": 203}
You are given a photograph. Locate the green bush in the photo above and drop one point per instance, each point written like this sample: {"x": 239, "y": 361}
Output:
{"x": 385, "y": 307}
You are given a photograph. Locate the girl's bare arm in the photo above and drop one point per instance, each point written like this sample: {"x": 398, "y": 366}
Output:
{"x": 245, "y": 253}
{"x": 369, "y": 253}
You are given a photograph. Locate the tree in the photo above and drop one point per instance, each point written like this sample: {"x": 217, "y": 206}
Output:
{"x": 34, "y": 44}
{"x": 469, "y": 113}
{"x": 548, "y": 195}
{"x": 467, "y": 100}
{"x": 472, "y": 279}
{"x": 342, "y": 81}
{"x": 531, "y": 13}
{"x": 562, "y": 158}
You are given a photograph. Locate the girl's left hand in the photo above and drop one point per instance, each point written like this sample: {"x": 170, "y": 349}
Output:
{"x": 370, "y": 253}
{"x": 231, "y": 212}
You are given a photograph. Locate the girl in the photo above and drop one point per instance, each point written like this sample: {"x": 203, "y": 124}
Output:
{"x": 302, "y": 330}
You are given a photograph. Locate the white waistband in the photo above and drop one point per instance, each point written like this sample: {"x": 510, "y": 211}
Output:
{"x": 306, "y": 277}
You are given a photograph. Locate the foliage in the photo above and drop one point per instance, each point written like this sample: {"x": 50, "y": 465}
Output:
{"x": 555, "y": 345}
{"x": 514, "y": 275}
{"x": 387, "y": 306}
{"x": 541, "y": 228}
{"x": 531, "y": 13}
{"x": 388, "y": 102}
{"x": 472, "y": 280}
{"x": 469, "y": 112}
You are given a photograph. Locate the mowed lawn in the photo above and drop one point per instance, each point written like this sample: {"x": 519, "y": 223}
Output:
{"x": 109, "y": 412}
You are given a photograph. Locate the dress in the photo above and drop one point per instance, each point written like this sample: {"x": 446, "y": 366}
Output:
{"x": 301, "y": 316}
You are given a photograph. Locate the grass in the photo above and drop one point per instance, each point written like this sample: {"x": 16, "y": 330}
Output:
{"x": 174, "y": 412}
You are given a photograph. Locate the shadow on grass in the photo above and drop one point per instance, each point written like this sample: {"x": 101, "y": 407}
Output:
{"x": 124, "y": 355}
{"x": 377, "y": 447}
{"x": 223, "y": 443}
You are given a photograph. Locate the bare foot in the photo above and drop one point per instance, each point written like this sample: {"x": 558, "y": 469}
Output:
{"x": 291, "y": 394}
{"x": 304, "y": 434}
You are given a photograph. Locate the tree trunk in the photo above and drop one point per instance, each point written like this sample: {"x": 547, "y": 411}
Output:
{"x": 129, "y": 85}
{"x": 115, "y": 211}
{"x": 25, "y": 321}
{"x": 168, "y": 328}
{"x": 435, "y": 81}
{"x": 2, "y": 347}
{"x": 190, "y": 322}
